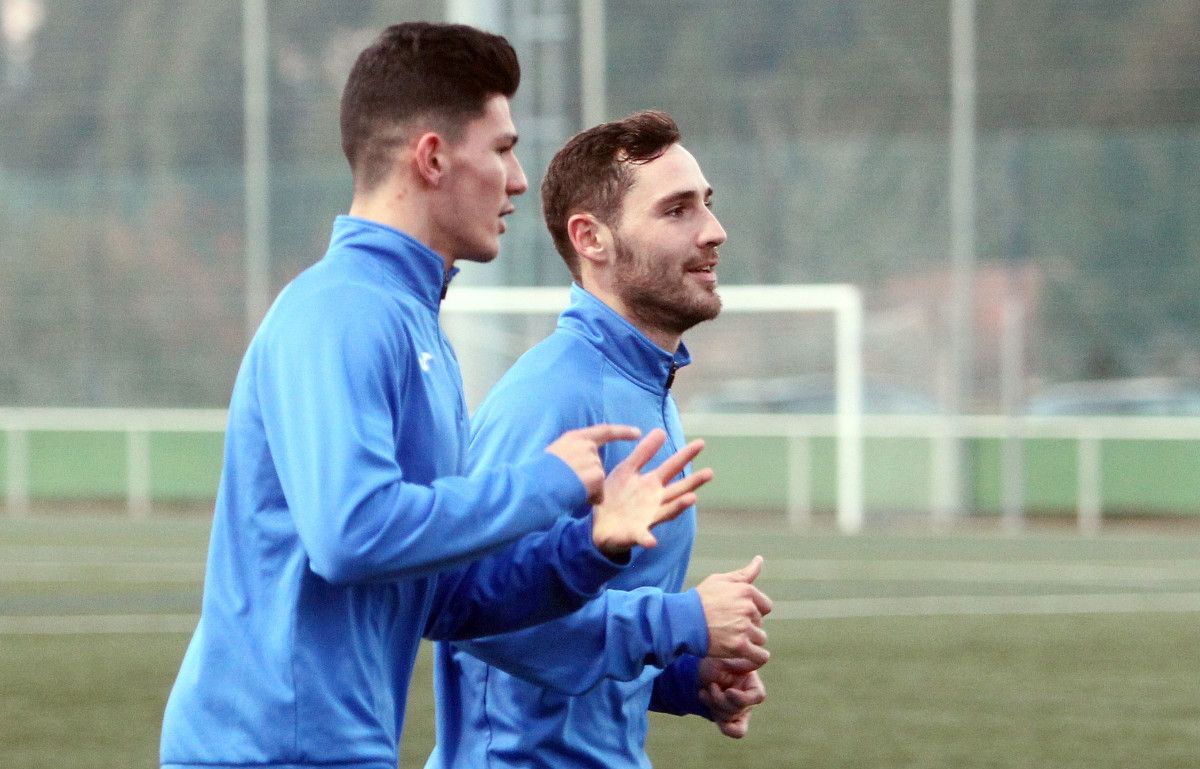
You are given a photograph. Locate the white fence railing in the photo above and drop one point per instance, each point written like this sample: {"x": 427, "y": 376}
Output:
{"x": 136, "y": 424}
{"x": 1087, "y": 433}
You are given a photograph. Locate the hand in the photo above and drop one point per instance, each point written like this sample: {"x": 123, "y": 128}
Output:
{"x": 730, "y": 689}
{"x": 632, "y": 502}
{"x": 734, "y": 609}
{"x": 580, "y": 449}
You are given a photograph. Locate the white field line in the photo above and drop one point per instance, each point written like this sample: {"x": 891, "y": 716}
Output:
{"x": 832, "y": 608}
{"x": 100, "y": 553}
{"x": 975, "y": 605}
{"x": 97, "y": 624}
{"x": 1145, "y": 573}
{"x": 63, "y": 571}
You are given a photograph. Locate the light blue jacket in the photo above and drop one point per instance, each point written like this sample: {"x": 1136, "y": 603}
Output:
{"x": 590, "y": 676}
{"x": 340, "y": 497}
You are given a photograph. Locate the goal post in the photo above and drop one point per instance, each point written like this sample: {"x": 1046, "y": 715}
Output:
{"x": 843, "y": 301}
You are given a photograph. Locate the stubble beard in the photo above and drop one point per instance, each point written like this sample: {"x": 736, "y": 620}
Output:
{"x": 661, "y": 299}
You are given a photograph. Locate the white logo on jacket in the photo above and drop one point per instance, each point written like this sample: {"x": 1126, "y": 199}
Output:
{"x": 423, "y": 360}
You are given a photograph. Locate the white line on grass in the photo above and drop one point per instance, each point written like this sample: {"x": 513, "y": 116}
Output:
{"x": 1018, "y": 572}
{"x": 977, "y": 605}
{"x": 101, "y": 553}
{"x": 97, "y": 624}
{"x": 829, "y": 608}
{"x": 60, "y": 571}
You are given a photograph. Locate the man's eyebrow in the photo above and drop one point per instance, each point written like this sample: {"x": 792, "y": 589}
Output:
{"x": 683, "y": 196}
{"x": 510, "y": 139}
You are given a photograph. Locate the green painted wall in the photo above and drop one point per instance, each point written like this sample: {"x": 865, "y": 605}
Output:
{"x": 1139, "y": 477}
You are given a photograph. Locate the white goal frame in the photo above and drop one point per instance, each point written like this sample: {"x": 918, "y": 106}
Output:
{"x": 844, "y": 301}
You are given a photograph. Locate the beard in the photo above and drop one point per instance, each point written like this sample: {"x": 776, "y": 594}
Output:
{"x": 658, "y": 298}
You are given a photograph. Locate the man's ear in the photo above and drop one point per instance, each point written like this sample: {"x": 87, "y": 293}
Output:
{"x": 429, "y": 157}
{"x": 591, "y": 238}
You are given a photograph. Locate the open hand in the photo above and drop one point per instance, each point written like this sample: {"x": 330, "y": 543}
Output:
{"x": 632, "y": 502}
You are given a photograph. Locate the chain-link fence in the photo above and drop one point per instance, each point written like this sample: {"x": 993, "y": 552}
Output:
{"x": 823, "y": 125}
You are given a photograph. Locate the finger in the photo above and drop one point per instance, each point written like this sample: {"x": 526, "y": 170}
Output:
{"x": 645, "y": 450}
{"x": 755, "y": 685}
{"x": 646, "y": 539}
{"x": 605, "y": 433}
{"x": 739, "y": 665}
{"x": 762, "y": 601}
{"x": 736, "y": 727}
{"x": 690, "y": 483}
{"x": 671, "y": 510}
{"x": 737, "y": 700}
{"x": 675, "y": 463}
{"x": 718, "y": 702}
{"x": 755, "y": 654}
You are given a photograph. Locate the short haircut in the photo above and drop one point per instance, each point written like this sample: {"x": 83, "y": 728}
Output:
{"x": 441, "y": 73}
{"x": 591, "y": 174}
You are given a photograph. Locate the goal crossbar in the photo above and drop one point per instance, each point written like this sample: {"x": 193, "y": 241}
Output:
{"x": 844, "y": 301}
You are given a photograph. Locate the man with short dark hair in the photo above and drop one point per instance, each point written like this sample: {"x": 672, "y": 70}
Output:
{"x": 629, "y": 211}
{"x": 345, "y": 528}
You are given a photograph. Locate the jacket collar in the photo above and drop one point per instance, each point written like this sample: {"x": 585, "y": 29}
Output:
{"x": 621, "y": 342}
{"x": 413, "y": 265}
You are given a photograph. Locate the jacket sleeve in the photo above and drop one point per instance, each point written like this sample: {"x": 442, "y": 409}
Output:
{"x": 327, "y": 391}
{"x": 542, "y": 576}
{"x": 677, "y": 689}
{"x": 613, "y": 637}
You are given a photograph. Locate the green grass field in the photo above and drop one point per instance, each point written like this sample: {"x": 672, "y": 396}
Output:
{"x": 889, "y": 650}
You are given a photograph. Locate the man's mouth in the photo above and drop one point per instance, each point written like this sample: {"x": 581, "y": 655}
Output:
{"x": 705, "y": 273}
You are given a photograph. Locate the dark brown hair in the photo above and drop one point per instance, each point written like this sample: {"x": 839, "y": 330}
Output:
{"x": 592, "y": 172}
{"x": 444, "y": 73}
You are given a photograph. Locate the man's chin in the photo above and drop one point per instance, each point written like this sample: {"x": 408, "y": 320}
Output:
{"x": 482, "y": 257}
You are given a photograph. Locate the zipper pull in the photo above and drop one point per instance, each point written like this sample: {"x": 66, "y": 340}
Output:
{"x": 671, "y": 375}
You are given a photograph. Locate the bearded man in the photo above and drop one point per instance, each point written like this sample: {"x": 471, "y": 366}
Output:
{"x": 629, "y": 210}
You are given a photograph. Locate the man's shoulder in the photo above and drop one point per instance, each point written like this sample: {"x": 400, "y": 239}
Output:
{"x": 331, "y": 294}
{"x": 551, "y": 388}
{"x": 560, "y": 366}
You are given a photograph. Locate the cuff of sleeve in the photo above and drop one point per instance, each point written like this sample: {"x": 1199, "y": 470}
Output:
{"x": 691, "y": 674}
{"x": 559, "y": 482}
{"x": 677, "y": 690}
{"x": 587, "y": 568}
{"x": 686, "y": 615}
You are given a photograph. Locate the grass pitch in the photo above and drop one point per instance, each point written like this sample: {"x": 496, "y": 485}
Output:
{"x": 888, "y": 650}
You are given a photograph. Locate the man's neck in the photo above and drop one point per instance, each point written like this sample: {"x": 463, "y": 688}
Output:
{"x": 392, "y": 212}
{"x": 667, "y": 340}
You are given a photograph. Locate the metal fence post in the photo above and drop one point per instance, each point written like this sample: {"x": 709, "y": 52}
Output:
{"x": 137, "y": 473}
{"x": 1088, "y": 479}
{"x": 16, "y": 443}
{"x": 799, "y": 471}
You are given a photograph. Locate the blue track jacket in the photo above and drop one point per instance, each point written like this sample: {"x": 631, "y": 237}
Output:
{"x": 340, "y": 497}
{"x": 587, "y": 684}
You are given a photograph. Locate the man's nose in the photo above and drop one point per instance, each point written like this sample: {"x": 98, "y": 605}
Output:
{"x": 517, "y": 183}
{"x": 713, "y": 234}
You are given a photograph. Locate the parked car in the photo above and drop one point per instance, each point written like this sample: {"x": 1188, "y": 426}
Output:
{"x": 1157, "y": 396}
{"x": 806, "y": 395}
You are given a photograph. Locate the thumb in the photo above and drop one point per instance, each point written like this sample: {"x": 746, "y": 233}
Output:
{"x": 750, "y": 571}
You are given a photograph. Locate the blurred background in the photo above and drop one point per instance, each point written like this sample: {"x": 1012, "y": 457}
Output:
{"x": 1012, "y": 187}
